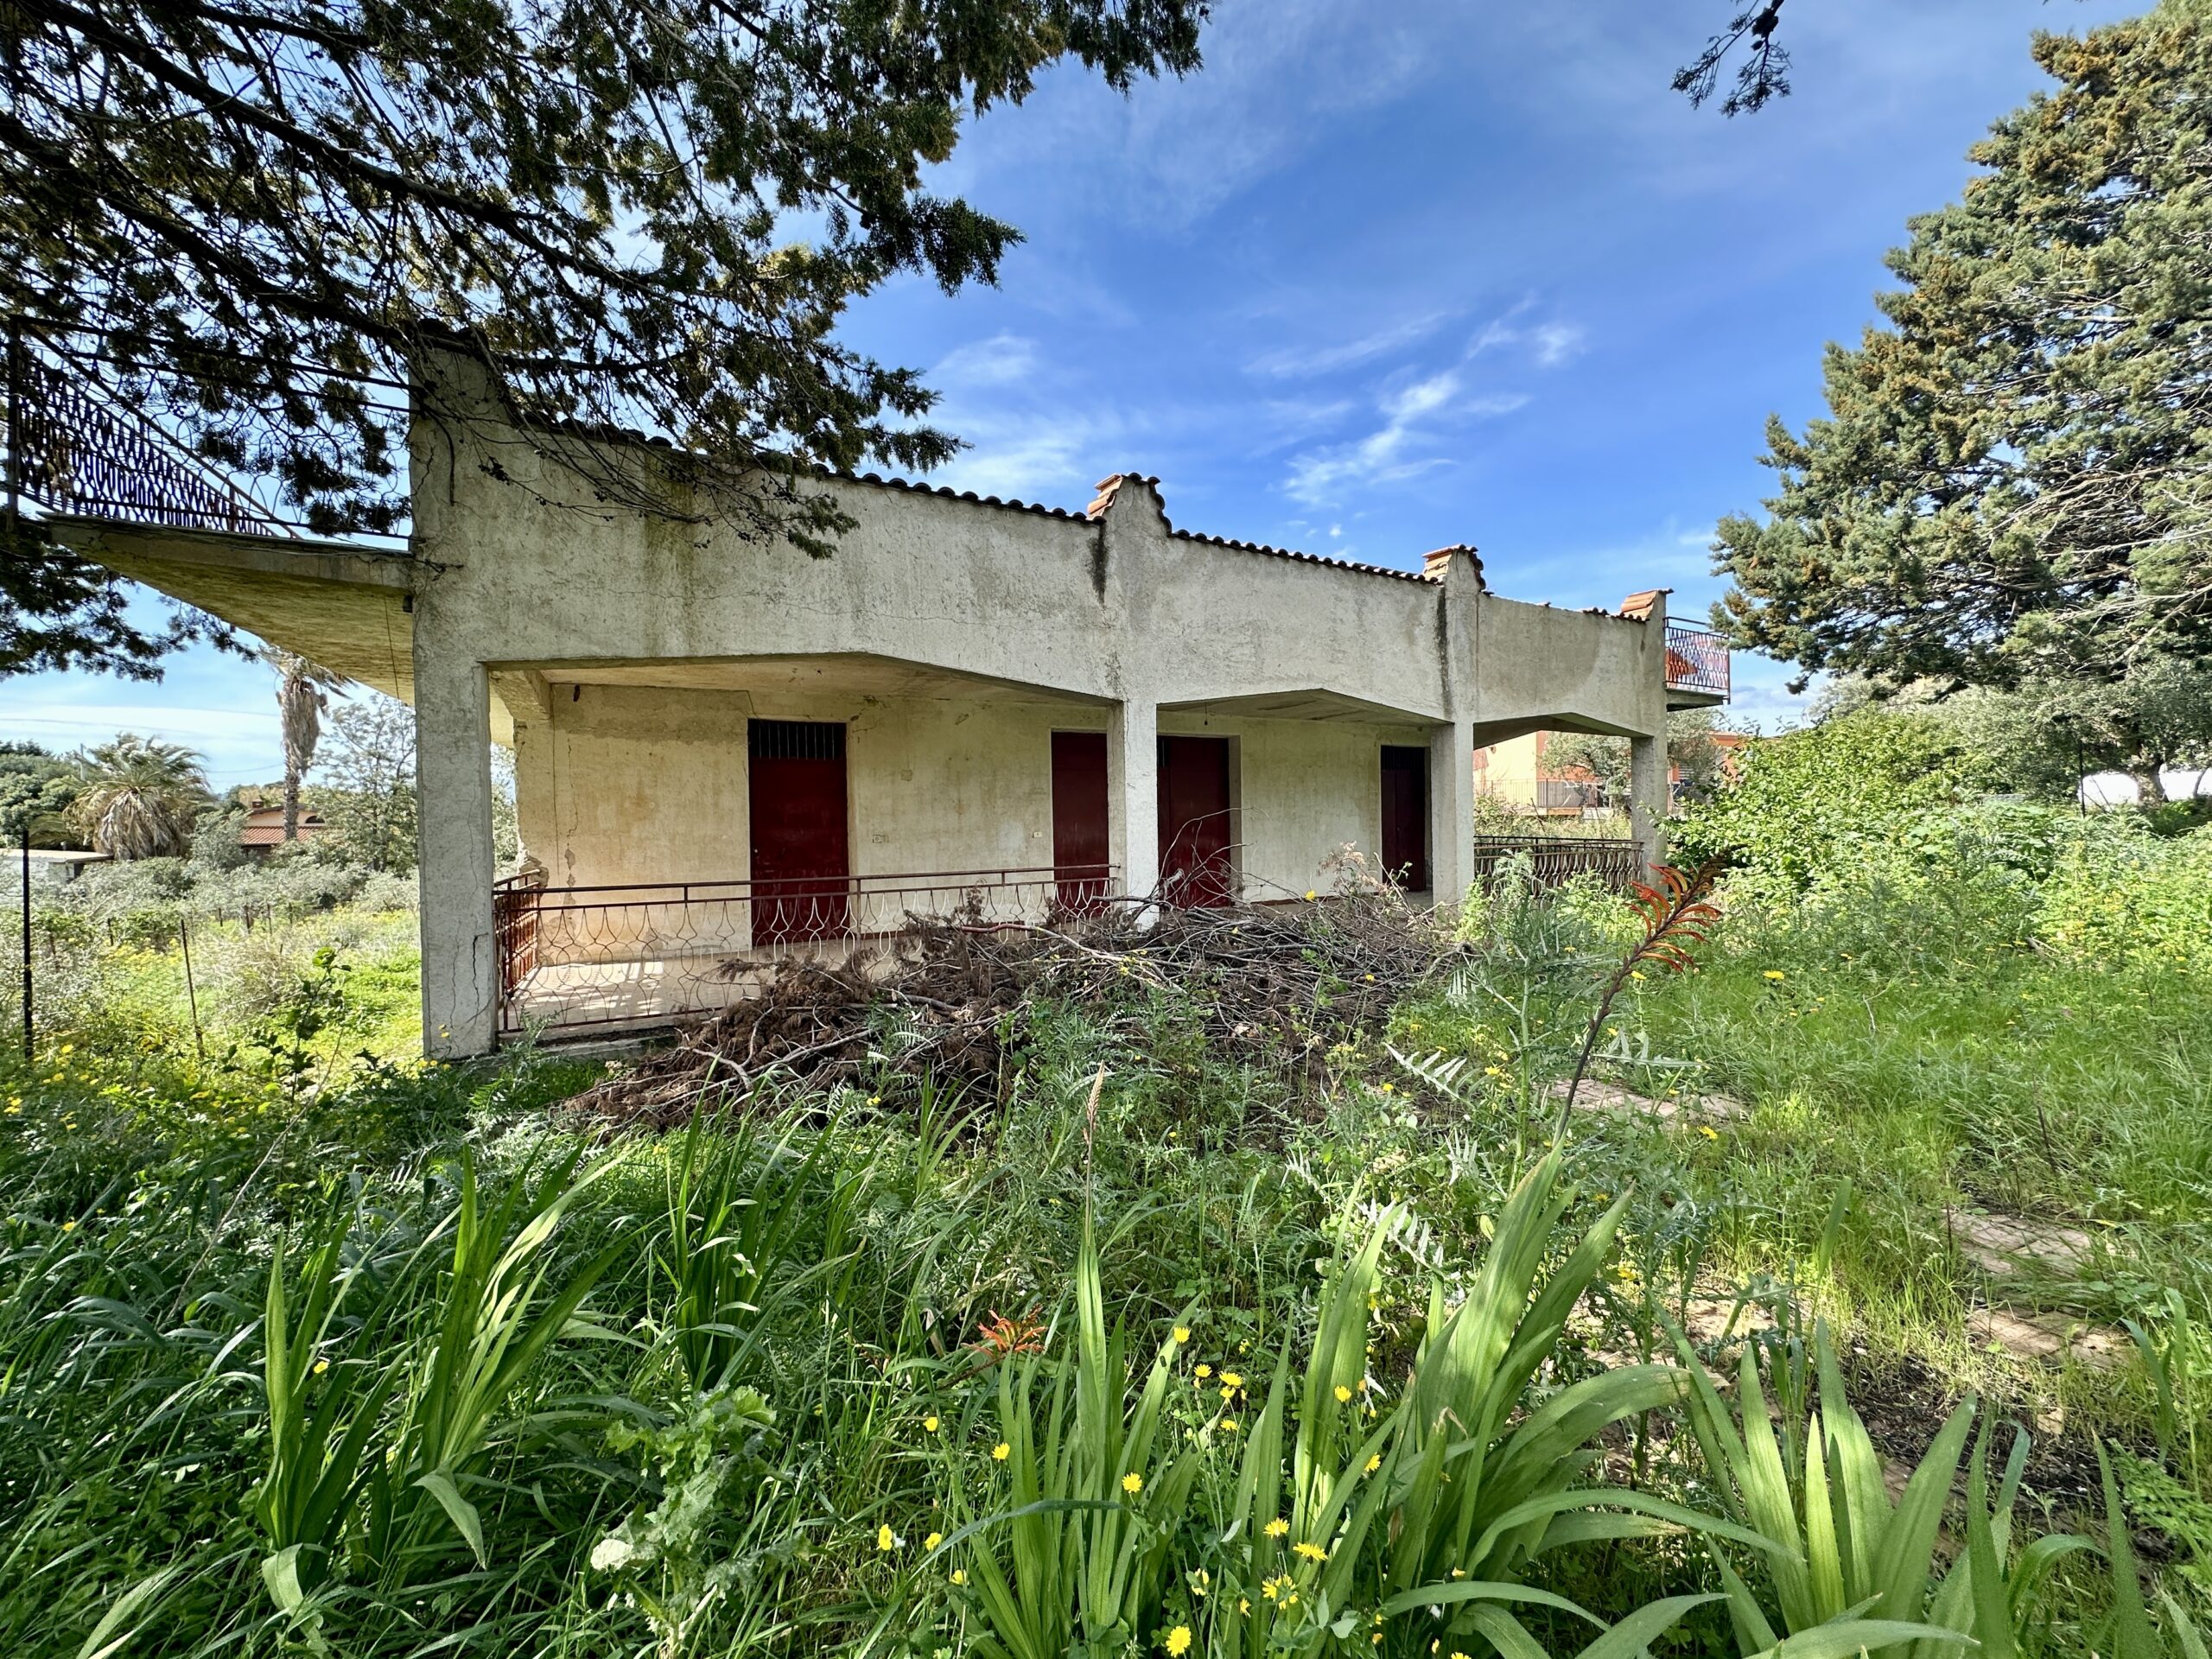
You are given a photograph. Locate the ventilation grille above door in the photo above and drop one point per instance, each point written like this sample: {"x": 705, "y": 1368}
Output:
{"x": 798, "y": 740}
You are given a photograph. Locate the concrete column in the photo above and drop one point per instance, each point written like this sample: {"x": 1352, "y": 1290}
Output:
{"x": 1451, "y": 811}
{"x": 1133, "y": 793}
{"x": 1647, "y": 797}
{"x": 452, "y": 788}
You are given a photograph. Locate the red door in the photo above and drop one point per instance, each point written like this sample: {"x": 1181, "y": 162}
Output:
{"x": 801, "y": 862}
{"x": 1194, "y": 864}
{"x": 1080, "y": 858}
{"x": 1404, "y": 816}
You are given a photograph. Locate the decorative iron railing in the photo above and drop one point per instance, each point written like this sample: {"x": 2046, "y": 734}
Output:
{"x": 1554, "y": 860}
{"x": 1697, "y": 659}
{"x": 72, "y": 451}
{"x": 639, "y": 954}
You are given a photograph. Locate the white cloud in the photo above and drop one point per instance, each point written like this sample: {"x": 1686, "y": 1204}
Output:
{"x": 1004, "y": 360}
{"x": 1399, "y": 448}
{"x": 1292, "y": 363}
{"x": 1548, "y": 344}
{"x": 1555, "y": 342}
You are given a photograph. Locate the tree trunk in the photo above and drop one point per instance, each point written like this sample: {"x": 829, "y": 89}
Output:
{"x": 2150, "y": 787}
{"x": 291, "y": 804}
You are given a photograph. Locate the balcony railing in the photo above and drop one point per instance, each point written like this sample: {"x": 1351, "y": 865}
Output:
{"x": 638, "y": 953}
{"x": 1554, "y": 860}
{"x": 1697, "y": 661}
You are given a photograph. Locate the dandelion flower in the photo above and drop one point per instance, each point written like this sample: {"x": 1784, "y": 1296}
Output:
{"x": 1229, "y": 1424}
{"x": 1309, "y": 895}
{"x": 1343, "y": 1394}
{"x": 1231, "y": 1380}
{"x": 1177, "y": 1641}
{"x": 1182, "y": 1333}
{"x": 1202, "y": 1372}
{"x": 886, "y": 1539}
{"x": 1277, "y": 1528}
{"x": 1708, "y": 1131}
{"x": 1133, "y": 1483}
{"x": 1002, "y": 1451}
{"x": 1313, "y": 1552}
{"x": 1774, "y": 974}
{"x": 1375, "y": 1463}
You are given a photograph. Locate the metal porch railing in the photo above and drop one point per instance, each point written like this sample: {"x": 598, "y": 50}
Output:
{"x": 635, "y": 954}
{"x": 1554, "y": 860}
{"x": 1697, "y": 659}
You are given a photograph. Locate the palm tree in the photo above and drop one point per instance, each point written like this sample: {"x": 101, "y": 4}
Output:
{"x": 137, "y": 797}
{"x": 301, "y": 689}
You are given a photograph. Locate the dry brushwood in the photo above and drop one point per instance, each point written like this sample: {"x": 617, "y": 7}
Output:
{"x": 1273, "y": 986}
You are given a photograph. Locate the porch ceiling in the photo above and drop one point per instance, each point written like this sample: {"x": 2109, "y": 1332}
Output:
{"x": 843, "y": 675}
{"x": 339, "y": 606}
{"x": 1312, "y": 703}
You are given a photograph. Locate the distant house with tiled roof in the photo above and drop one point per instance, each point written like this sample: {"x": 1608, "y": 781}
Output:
{"x": 263, "y": 832}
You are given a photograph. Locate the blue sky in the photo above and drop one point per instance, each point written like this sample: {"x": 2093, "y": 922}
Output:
{"x": 1386, "y": 277}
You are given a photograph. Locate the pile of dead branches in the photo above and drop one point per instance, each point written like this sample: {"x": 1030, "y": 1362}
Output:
{"x": 1273, "y": 986}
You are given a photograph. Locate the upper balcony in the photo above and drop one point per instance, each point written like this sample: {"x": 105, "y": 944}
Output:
{"x": 1697, "y": 666}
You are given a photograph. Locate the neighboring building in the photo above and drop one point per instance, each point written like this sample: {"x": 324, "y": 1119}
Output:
{"x": 56, "y": 865}
{"x": 1515, "y": 771}
{"x": 263, "y": 832}
{"x": 726, "y": 750}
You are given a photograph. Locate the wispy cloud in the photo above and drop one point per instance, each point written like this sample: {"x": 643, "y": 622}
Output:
{"x": 1004, "y": 360}
{"x": 1397, "y": 449}
{"x": 1547, "y": 344}
{"x": 1286, "y": 363}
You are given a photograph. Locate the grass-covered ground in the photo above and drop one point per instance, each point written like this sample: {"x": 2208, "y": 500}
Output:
{"x": 306, "y": 1345}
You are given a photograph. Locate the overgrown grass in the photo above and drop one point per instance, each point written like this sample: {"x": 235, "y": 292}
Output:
{"x": 300, "y": 1350}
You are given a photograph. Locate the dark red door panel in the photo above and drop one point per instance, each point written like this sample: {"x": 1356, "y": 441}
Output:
{"x": 801, "y": 864}
{"x": 1080, "y": 854}
{"x": 1404, "y": 816}
{"x": 1194, "y": 860}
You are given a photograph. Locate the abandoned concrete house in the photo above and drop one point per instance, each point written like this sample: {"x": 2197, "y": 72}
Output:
{"x": 726, "y": 752}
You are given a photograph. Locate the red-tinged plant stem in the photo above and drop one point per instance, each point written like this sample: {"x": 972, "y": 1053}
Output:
{"x": 1676, "y": 914}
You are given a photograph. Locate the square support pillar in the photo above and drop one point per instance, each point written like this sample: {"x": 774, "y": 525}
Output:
{"x": 1648, "y": 797}
{"x": 1450, "y": 812}
{"x": 453, "y": 791}
{"x": 1133, "y": 794}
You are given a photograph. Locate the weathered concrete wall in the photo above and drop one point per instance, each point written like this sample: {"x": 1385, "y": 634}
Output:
{"x": 523, "y": 574}
{"x": 623, "y": 783}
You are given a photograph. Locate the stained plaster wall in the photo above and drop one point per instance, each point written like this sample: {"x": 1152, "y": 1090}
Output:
{"x": 618, "y": 783}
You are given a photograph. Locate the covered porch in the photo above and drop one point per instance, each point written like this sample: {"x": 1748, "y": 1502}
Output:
{"x": 689, "y": 826}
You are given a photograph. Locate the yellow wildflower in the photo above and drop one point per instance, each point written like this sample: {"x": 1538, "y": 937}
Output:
{"x": 1202, "y": 1372}
{"x": 1177, "y": 1641}
{"x": 886, "y": 1539}
{"x": 1002, "y": 1451}
{"x": 1277, "y": 1528}
{"x": 1313, "y": 1552}
{"x": 959, "y": 1575}
{"x": 929, "y": 1425}
{"x": 1375, "y": 1463}
{"x": 932, "y": 1540}
{"x": 1708, "y": 1131}
{"x": 1229, "y": 1424}
{"x": 1231, "y": 1380}
{"x": 1133, "y": 1483}
{"x": 1774, "y": 974}
{"x": 1182, "y": 1333}
{"x": 1343, "y": 1394}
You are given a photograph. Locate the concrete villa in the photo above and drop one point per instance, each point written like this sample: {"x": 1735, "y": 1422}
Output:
{"x": 726, "y": 750}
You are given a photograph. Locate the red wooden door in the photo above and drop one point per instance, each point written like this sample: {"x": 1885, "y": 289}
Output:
{"x": 801, "y": 865}
{"x": 1404, "y": 816}
{"x": 1080, "y": 854}
{"x": 1194, "y": 863}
